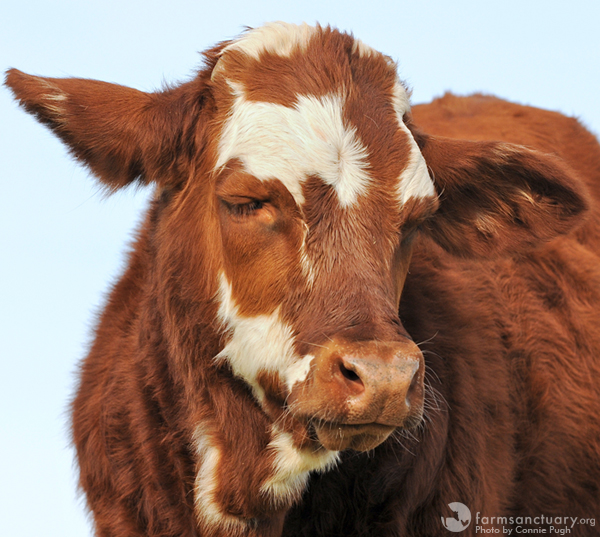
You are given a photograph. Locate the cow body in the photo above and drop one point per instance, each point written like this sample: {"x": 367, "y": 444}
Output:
{"x": 253, "y": 345}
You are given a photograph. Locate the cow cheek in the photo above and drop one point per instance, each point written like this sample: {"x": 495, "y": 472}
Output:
{"x": 261, "y": 267}
{"x": 274, "y": 397}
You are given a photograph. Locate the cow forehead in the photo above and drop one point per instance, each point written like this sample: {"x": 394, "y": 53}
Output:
{"x": 311, "y": 136}
{"x": 295, "y": 143}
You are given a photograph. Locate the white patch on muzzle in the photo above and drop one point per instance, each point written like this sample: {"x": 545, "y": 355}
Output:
{"x": 299, "y": 371}
{"x": 259, "y": 344}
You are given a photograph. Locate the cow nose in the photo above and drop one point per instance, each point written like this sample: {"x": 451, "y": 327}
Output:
{"x": 399, "y": 380}
{"x": 372, "y": 382}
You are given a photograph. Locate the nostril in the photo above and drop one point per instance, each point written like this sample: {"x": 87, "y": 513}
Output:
{"x": 349, "y": 374}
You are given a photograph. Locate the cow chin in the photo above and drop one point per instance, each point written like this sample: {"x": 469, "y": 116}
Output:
{"x": 338, "y": 436}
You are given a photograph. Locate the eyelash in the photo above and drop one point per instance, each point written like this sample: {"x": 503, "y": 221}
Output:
{"x": 245, "y": 209}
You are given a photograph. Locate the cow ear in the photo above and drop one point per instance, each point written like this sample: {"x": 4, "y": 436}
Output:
{"x": 123, "y": 135}
{"x": 497, "y": 198}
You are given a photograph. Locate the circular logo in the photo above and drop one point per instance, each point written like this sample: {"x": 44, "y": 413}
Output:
{"x": 461, "y": 519}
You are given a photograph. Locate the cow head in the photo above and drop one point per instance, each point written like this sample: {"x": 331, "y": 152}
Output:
{"x": 291, "y": 185}
{"x": 319, "y": 185}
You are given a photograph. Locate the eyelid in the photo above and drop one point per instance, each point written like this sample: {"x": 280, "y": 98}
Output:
{"x": 237, "y": 200}
{"x": 243, "y": 207}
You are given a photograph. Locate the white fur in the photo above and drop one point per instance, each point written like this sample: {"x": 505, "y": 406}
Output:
{"x": 293, "y": 143}
{"x": 363, "y": 49}
{"x": 259, "y": 344}
{"x": 309, "y": 138}
{"x": 293, "y": 466}
{"x": 298, "y": 372}
{"x": 264, "y": 343}
{"x": 400, "y": 100}
{"x": 54, "y": 100}
{"x": 56, "y": 94}
{"x": 207, "y": 482}
{"x": 291, "y": 469}
{"x": 414, "y": 181}
{"x": 279, "y": 38}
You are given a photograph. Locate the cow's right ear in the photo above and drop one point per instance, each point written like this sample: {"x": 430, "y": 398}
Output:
{"x": 498, "y": 198}
{"x": 123, "y": 135}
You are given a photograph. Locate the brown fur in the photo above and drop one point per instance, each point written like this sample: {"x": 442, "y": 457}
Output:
{"x": 513, "y": 425}
{"x": 502, "y": 295}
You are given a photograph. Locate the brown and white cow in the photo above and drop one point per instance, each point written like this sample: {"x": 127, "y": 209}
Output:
{"x": 269, "y": 325}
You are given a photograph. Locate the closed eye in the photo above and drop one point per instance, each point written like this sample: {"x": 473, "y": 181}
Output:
{"x": 245, "y": 209}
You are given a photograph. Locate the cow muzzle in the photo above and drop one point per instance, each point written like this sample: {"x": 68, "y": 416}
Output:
{"x": 357, "y": 393}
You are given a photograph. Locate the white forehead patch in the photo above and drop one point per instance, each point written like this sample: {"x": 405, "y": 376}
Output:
{"x": 293, "y": 143}
{"x": 278, "y": 38}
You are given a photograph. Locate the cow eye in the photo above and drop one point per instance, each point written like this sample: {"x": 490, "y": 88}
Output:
{"x": 246, "y": 208}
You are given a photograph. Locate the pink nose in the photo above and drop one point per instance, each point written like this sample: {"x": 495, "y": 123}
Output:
{"x": 376, "y": 392}
{"x": 366, "y": 382}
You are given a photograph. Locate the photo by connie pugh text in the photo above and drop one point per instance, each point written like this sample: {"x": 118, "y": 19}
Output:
{"x": 512, "y": 525}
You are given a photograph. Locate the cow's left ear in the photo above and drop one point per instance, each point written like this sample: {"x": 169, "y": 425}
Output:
{"x": 497, "y": 198}
{"x": 123, "y": 135}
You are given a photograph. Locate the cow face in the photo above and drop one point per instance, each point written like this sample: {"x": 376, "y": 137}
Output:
{"x": 319, "y": 185}
{"x": 290, "y": 184}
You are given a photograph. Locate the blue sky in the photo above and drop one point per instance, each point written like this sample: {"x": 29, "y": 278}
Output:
{"x": 62, "y": 243}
